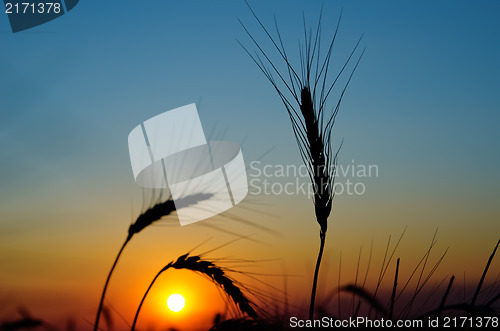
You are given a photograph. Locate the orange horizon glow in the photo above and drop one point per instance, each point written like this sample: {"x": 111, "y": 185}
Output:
{"x": 202, "y": 301}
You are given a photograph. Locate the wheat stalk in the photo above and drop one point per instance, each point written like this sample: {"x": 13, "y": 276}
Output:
{"x": 305, "y": 96}
{"x": 147, "y": 218}
{"x": 213, "y": 272}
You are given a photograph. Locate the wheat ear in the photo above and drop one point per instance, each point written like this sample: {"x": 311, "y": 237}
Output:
{"x": 304, "y": 94}
{"x": 147, "y": 218}
{"x": 213, "y": 272}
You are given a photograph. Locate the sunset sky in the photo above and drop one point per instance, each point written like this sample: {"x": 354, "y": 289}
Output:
{"x": 423, "y": 107}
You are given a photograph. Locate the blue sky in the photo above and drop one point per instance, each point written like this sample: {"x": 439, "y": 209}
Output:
{"x": 425, "y": 92}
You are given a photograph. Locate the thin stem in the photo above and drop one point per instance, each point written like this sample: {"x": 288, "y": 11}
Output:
{"x": 144, "y": 297}
{"x": 443, "y": 301}
{"x": 101, "y": 303}
{"x": 478, "y": 289}
{"x": 393, "y": 297}
{"x": 322, "y": 236}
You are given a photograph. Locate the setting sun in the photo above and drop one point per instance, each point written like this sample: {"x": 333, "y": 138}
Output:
{"x": 176, "y": 302}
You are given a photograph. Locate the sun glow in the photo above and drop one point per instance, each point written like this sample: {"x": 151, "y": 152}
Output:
{"x": 176, "y": 302}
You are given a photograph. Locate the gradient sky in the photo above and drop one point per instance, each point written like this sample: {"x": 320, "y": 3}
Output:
{"x": 423, "y": 106}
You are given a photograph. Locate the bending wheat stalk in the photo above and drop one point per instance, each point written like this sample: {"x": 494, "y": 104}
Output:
{"x": 212, "y": 272}
{"x": 150, "y": 216}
